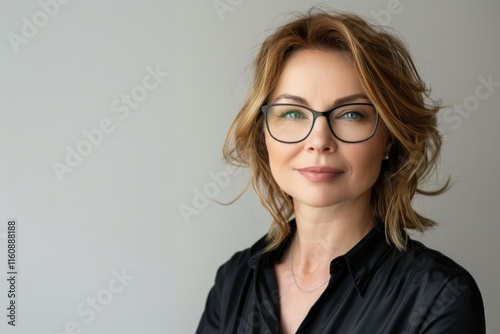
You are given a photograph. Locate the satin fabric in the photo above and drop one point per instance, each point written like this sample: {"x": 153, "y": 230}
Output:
{"x": 374, "y": 288}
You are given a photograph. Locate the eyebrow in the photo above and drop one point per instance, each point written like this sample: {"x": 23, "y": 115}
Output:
{"x": 340, "y": 100}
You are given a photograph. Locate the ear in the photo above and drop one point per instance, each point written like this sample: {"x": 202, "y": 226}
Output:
{"x": 389, "y": 141}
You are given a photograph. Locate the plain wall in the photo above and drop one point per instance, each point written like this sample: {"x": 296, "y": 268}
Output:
{"x": 134, "y": 206}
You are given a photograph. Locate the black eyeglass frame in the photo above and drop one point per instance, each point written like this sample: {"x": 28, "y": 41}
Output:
{"x": 317, "y": 114}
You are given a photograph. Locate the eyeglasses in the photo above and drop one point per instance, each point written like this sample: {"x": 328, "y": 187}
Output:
{"x": 292, "y": 123}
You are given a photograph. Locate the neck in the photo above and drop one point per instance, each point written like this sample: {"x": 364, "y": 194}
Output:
{"x": 325, "y": 233}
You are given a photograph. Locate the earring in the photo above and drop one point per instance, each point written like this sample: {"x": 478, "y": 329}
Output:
{"x": 386, "y": 157}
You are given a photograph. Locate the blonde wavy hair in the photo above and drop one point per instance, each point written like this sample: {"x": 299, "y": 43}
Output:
{"x": 402, "y": 99}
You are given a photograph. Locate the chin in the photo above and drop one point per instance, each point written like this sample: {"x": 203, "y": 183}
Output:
{"x": 316, "y": 201}
{"x": 324, "y": 199}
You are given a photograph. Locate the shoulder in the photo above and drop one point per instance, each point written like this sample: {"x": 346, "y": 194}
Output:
{"x": 440, "y": 296}
{"x": 426, "y": 268}
{"x": 232, "y": 283}
{"x": 241, "y": 262}
{"x": 444, "y": 290}
{"x": 422, "y": 260}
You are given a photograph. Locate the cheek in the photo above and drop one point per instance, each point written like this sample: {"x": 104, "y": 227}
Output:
{"x": 280, "y": 156}
{"x": 367, "y": 161}
{"x": 365, "y": 169}
{"x": 372, "y": 163}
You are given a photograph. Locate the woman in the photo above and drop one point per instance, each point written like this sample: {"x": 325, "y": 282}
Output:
{"x": 339, "y": 131}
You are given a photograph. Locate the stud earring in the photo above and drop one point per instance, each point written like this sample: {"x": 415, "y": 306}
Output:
{"x": 386, "y": 157}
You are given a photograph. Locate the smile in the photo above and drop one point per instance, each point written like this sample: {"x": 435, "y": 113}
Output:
{"x": 320, "y": 174}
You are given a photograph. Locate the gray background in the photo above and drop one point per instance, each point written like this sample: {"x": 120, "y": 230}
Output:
{"x": 120, "y": 208}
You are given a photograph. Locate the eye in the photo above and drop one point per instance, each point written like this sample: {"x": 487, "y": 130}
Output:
{"x": 292, "y": 113}
{"x": 352, "y": 115}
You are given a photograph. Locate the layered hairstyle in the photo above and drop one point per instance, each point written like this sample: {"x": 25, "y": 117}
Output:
{"x": 390, "y": 78}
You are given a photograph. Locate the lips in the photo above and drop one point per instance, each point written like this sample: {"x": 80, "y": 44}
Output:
{"x": 320, "y": 173}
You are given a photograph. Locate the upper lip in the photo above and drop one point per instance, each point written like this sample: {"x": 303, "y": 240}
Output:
{"x": 320, "y": 169}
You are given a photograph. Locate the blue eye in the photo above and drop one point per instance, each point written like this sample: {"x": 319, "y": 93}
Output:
{"x": 352, "y": 115}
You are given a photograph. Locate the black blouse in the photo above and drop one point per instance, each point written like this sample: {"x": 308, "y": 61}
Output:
{"x": 374, "y": 288}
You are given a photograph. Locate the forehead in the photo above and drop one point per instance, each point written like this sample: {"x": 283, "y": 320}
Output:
{"x": 319, "y": 77}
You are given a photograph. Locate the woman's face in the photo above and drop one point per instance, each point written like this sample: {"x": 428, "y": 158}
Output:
{"x": 322, "y": 171}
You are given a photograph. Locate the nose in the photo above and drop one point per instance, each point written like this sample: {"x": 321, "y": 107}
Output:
{"x": 321, "y": 138}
